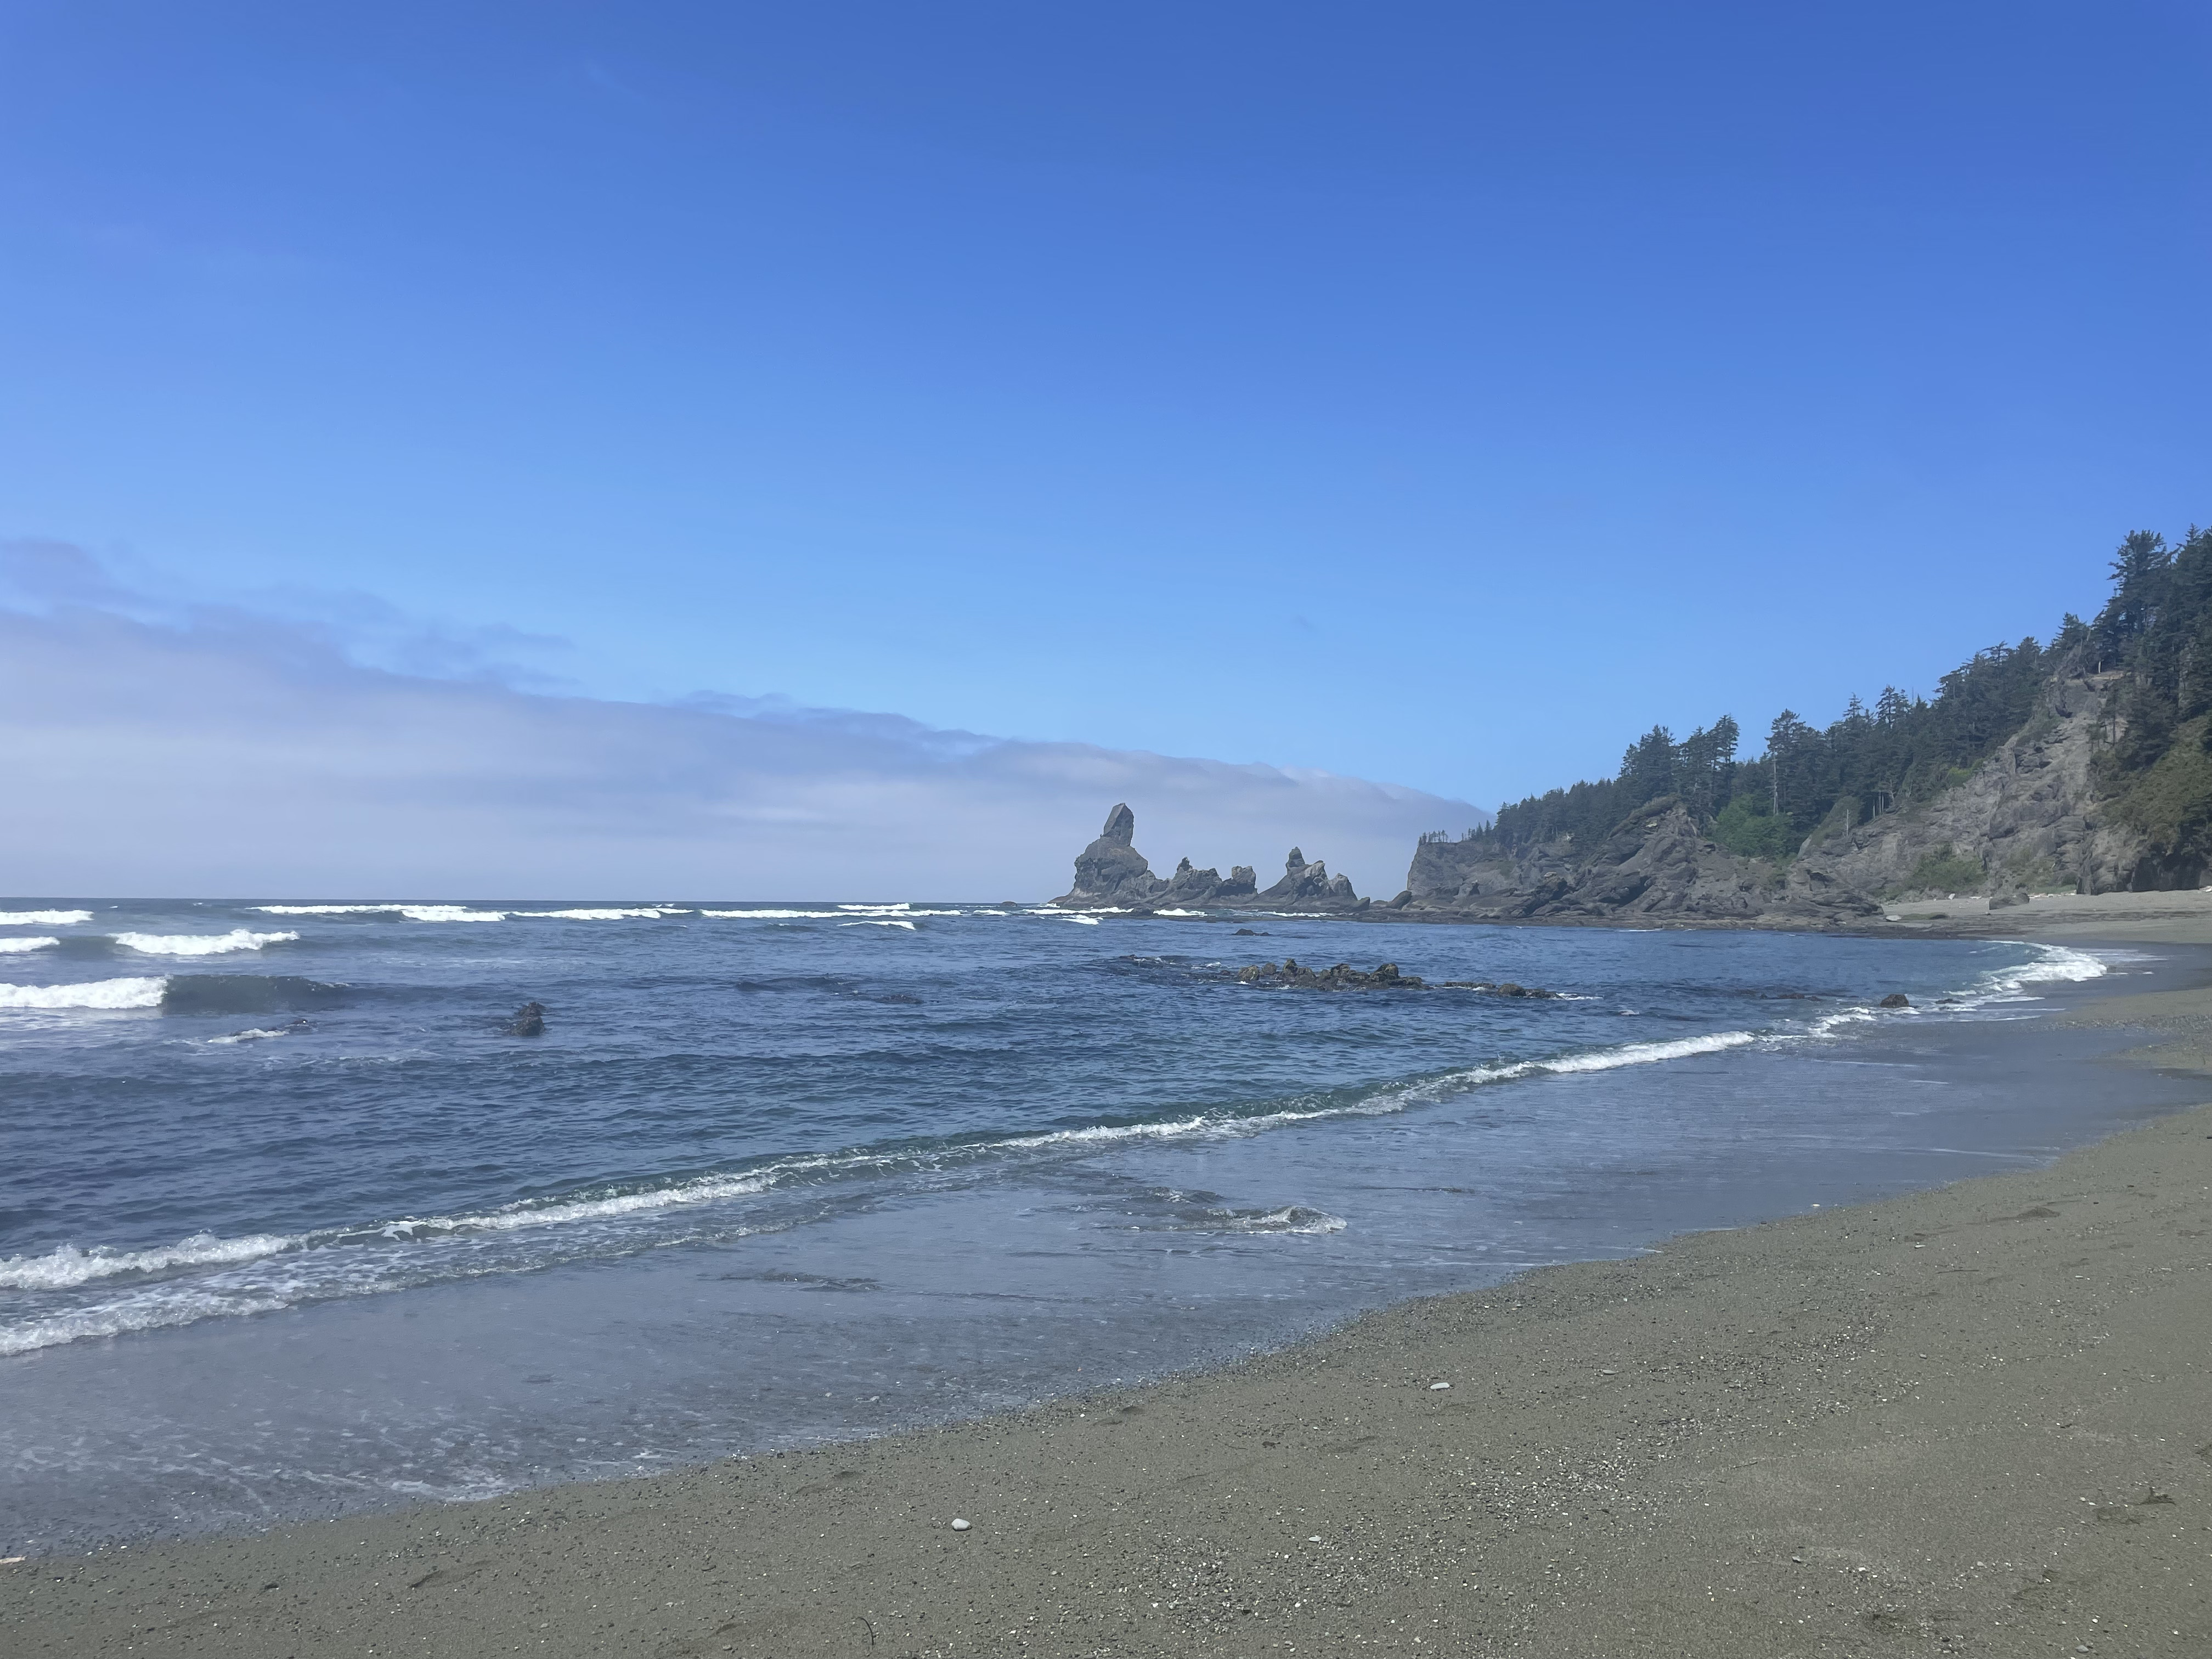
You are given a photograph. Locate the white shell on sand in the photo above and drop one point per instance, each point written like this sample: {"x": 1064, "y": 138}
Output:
{"x": 1433, "y": 1386}
{"x": 959, "y": 1525}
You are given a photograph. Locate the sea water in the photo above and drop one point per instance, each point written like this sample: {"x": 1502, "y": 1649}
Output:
{"x": 290, "y": 1223}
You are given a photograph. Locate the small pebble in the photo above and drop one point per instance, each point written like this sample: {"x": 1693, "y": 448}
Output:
{"x": 959, "y": 1525}
{"x": 1433, "y": 1386}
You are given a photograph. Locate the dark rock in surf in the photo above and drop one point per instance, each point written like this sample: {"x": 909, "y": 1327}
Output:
{"x": 1504, "y": 988}
{"x": 1289, "y": 976}
{"x": 1895, "y": 999}
{"x": 529, "y": 1021}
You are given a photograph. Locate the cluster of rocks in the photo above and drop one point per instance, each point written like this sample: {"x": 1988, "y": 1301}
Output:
{"x": 1504, "y": 988}
{"x": 1111, "y": 874}
{"x": 1290, "y": 974}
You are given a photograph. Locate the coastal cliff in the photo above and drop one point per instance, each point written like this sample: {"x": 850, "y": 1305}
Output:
{"x": 2084, "y": 767}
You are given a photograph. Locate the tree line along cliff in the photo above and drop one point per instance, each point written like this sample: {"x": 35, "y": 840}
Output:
{"x": 2084, "y": 765}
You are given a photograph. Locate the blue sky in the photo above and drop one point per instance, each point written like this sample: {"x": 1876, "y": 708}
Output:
{"x": 1432, "y": 393}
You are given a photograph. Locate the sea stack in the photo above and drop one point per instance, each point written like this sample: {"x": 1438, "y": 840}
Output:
{"x": 1111, "y": 874}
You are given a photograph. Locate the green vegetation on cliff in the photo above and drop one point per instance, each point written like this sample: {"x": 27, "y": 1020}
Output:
{"x": 2157, "y": 631}
{"x": 2154, "y": 635}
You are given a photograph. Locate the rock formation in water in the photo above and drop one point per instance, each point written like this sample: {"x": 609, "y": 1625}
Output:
{"x": 1289, "y": 976}
{"x": 1111, "y": 874}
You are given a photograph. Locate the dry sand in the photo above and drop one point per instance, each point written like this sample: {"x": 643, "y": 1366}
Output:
{"x": 1975, "y": 1420}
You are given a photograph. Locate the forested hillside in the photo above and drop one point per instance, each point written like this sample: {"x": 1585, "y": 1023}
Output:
{"x": 2149, "y": 653}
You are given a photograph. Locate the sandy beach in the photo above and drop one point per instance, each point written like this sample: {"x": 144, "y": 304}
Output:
{"x": 1971, "y": 1421}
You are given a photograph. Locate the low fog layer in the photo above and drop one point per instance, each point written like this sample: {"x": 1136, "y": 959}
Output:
{"x": 224, "y": 754}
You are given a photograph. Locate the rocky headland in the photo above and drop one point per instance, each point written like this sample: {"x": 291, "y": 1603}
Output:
{"x": 2084, "y": 768}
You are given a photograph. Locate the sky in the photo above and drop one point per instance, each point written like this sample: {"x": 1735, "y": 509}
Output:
{"x": 1435, "y": 394}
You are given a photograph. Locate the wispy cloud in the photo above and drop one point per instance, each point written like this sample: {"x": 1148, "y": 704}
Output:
{"x": 159, "y": 748}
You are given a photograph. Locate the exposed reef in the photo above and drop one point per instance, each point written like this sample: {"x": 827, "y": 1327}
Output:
{"x": 1291, "y": 974}
{"x": 1288, "y": 975}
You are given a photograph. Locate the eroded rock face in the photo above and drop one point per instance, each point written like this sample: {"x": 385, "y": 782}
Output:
{"x": 1111, "y": 871}
{"x": 1308, "y": 886}
{"x": 1656, "y": 867}
{"x": 1111, "y": 874}
{"x": 2027, "y": 816}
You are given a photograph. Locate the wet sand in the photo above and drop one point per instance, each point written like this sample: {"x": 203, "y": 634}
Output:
{"x": 1974, "y": 1421}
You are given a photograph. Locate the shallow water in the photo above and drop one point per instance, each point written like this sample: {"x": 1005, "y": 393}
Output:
{"x": 290, "y": 1224}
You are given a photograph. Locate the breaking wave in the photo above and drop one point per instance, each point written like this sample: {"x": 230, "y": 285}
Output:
{"x": 199, "y": 944}
{"x": 94, "y": 993}
{"x": 647, "y": 914}
{"x": 208, "y": 1277}
{"x": 412, "y": 912}
{"x": 67, "y": 1267}
{"x": 17, "y": 947}
{"x": 43, "y": 918}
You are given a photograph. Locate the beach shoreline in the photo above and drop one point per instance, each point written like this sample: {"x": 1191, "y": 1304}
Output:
{"x": 1956, "y": 1420}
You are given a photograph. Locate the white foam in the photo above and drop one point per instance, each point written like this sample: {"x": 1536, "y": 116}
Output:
{"x": 412, "y": 912}
{"x": 330, "y": 909}
{"x": 58, "y": 1269}
{"x": 776, "y": 915}
{"x": 132, "y": 1314}
{"x": 17, "y": 947}
{"x": 43, "y": 918}
{"x": 234, "y": 1288}
{"x": 879, "y": 922}
{"x": 842, "y": 913}
{"x": 1644, "y": 1054}
{"x": 199, "y": 944}
{"x": 244, "y": 1037}
{"x": 511, "y": 1217}
{"x": 94, "y": 993}
{"x": 654, "y": 914}
{"x": 1291, "y": 1218}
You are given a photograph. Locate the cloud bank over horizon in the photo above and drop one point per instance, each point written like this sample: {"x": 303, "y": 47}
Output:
{"x": 202, "y": 752}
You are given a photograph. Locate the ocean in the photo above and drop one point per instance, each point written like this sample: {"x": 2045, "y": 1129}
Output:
{"x": 290, "y": 1224}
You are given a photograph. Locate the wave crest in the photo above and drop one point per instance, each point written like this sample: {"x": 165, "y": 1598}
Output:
{"x": 94, "y": 993}
{"x": 43, "y": 918}
{"x": 199, "y": 944}
{"x": 60, "y": 1269}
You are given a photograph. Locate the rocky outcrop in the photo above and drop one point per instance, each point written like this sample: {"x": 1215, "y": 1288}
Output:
{"x": 2027, "y": 817}
{"x": 1657, "y": 866}
{"x": 1110, "y": 874}
{"x": 1289, "y": 976}
{"x": 1306, "y": 883}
